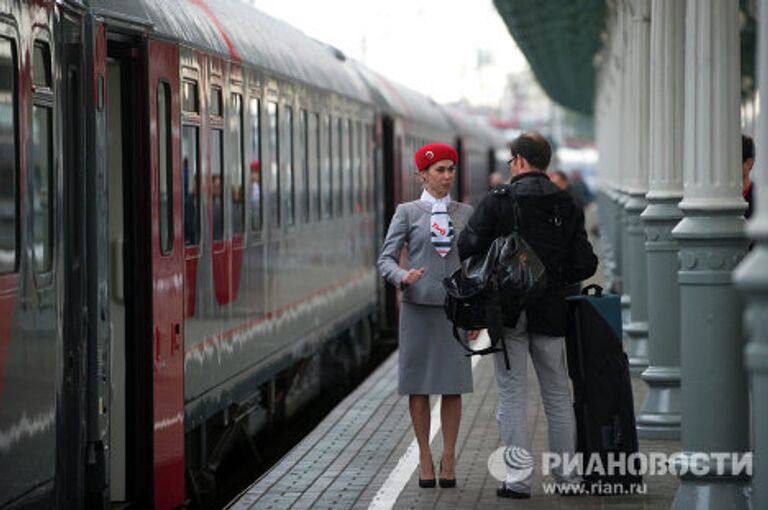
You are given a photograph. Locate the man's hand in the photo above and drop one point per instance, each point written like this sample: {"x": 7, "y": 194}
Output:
{"x": 413, "y": 276}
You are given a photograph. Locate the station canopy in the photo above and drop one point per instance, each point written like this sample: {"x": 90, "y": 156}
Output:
{"x": 560, "y": 39}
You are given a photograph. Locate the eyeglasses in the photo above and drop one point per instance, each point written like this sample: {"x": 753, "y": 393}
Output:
{"x": 512, "y": 160}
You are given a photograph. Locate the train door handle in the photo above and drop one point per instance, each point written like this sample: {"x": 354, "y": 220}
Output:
{"x": 175, "y": 334}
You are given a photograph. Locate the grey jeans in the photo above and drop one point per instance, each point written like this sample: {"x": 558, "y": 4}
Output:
{"x": 548, "y": 356}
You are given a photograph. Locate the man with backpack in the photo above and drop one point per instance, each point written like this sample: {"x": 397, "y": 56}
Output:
{"x": 553, "y": 226}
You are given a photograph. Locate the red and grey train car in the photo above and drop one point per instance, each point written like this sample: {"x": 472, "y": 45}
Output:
{"x": 192, "y": 196}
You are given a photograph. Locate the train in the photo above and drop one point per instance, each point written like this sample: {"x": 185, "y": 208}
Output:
{"x": 192, "y": 198}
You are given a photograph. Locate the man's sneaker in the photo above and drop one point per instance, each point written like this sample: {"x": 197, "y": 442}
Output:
{"x": 506, "y": 492}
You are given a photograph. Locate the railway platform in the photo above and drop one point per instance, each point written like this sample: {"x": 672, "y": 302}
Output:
{"x": 364, "y": 456}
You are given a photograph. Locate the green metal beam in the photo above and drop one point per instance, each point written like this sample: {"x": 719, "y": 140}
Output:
{"x": 559, "y": 38}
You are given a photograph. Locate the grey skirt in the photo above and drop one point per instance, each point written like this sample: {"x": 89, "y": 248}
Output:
{"x": 431, "y": 361}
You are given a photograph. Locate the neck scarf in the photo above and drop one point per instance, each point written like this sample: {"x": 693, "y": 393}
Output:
{"x": 440, "y": 223}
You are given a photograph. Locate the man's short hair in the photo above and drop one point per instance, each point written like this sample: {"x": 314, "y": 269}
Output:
{"x": 534, "y": 148}
{"x": 747, "y": 148}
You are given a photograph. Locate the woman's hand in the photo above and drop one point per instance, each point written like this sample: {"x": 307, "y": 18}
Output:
{"x": 413, "y": 276}
{"x": 473, "y": 334}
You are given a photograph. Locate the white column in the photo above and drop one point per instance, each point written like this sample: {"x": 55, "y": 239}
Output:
{"x": 636, "y": 329}
{"x": 711, "y": 238}
{"x": 660, "y": 414}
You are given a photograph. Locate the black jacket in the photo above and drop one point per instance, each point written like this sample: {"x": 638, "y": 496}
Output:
{"x": 554, "y": 227}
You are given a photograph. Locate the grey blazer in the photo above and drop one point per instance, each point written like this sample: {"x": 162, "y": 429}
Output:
{"x": 410, "y": 227}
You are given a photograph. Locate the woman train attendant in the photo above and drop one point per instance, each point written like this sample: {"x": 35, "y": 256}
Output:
{"x": 431, "y": 361}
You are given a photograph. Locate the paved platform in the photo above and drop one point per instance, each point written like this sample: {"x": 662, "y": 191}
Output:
{"x": 363, "y": 455}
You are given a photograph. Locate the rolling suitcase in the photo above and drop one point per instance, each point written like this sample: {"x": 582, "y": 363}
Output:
{"x": 603, "y": 403}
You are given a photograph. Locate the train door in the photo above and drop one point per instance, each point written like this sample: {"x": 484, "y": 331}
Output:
{"x": 167, "y": 289}
{"x": 70, "y": 415}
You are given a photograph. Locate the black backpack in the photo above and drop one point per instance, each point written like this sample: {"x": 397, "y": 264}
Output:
{"x": 496, "y": 284}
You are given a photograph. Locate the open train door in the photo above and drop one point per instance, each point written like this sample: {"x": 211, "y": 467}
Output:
{"x": 167, "y": 288}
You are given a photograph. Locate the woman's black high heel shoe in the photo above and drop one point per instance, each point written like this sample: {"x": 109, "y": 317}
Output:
{"x": 447, "y": 483}
{"x": 426, "y": 483}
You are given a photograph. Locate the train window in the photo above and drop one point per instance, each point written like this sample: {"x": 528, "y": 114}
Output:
{"x": 216, "y": 106}
{"x": 326, "y": 184}
{"x": 164, "y": 167}
{"x": 189, "y": 101}
{"x": 255, "y": 166}
{"x": 274, "y": 160}
{"x": 42, "y": 160}
{"x": 9, "y": 206}
{"x": 358, "y": 179}
{"x": 350, "y": 166}
{"x": 237, "y": 177}
{"x": 190, "y": 157}
{"x": 338, "y": 178}
{"x": 41, "y": 65}
{"x": 217, "y": 183}
{"x": 359, "y": 166}
{"x": 42, "y": 192}
{"x": 369, "y": 167}
{"x": 289, "y": 181}
{"x": 304, "y": 164}
{"x": 314, "y": 146}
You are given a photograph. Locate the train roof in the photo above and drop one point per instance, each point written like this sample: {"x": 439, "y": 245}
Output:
{"x": 238, "y": 31}
{"x": 403, "y": 101}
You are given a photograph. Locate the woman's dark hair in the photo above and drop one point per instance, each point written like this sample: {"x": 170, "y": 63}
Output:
{"x": 534, "y": 148}
{"x": 747, "y": 148}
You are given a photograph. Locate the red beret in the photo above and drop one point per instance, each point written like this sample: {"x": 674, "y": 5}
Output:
{"x": 432, "y": 153}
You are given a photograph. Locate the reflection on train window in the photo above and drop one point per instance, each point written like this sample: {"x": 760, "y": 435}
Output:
{"x": 190, "y": 175}
{"x": 164, "y": 166}
{"x": 189, "y": 101}
{"x": 304, "y": 164}
{"x": 42, "y": 192}
{"x": 217, "y": 184}
{"x": 255, "y": 165}
{"x": 41, "y": 65}
{"x": 338, "y": 179}
{"x": 326, "y": 183}
{"x": 289, "y": 189}
{"x": 9, "y": 228}
{"x": 317, "y": 159}
{"x": 274, "y": 162}
{"x": 237, "y": 177}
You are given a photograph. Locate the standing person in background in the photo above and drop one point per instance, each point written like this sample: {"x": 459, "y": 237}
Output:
{"x": 554, "y": 227}
{"x": 431, "y": 362}
{"x": 580, "y": 189}
{"x": 747, "y": 162}
{"x": 494, "y": 179}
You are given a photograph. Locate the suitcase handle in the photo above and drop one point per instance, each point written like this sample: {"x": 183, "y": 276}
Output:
{"x": 598, "y": 290}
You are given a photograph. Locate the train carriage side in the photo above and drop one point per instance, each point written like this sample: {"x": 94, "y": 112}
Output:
{"x": 262, "y": 228}
{"x": 44, "y": 318}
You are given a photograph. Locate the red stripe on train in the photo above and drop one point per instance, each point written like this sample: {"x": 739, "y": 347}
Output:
{"x": 7, "y": 293}
{"x": 216, "y": 23}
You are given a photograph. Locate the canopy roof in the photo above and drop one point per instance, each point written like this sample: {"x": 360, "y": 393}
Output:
{"x": 560, "y": 39}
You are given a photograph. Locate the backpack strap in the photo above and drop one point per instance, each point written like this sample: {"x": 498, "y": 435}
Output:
{"x": 494, "y": 317}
